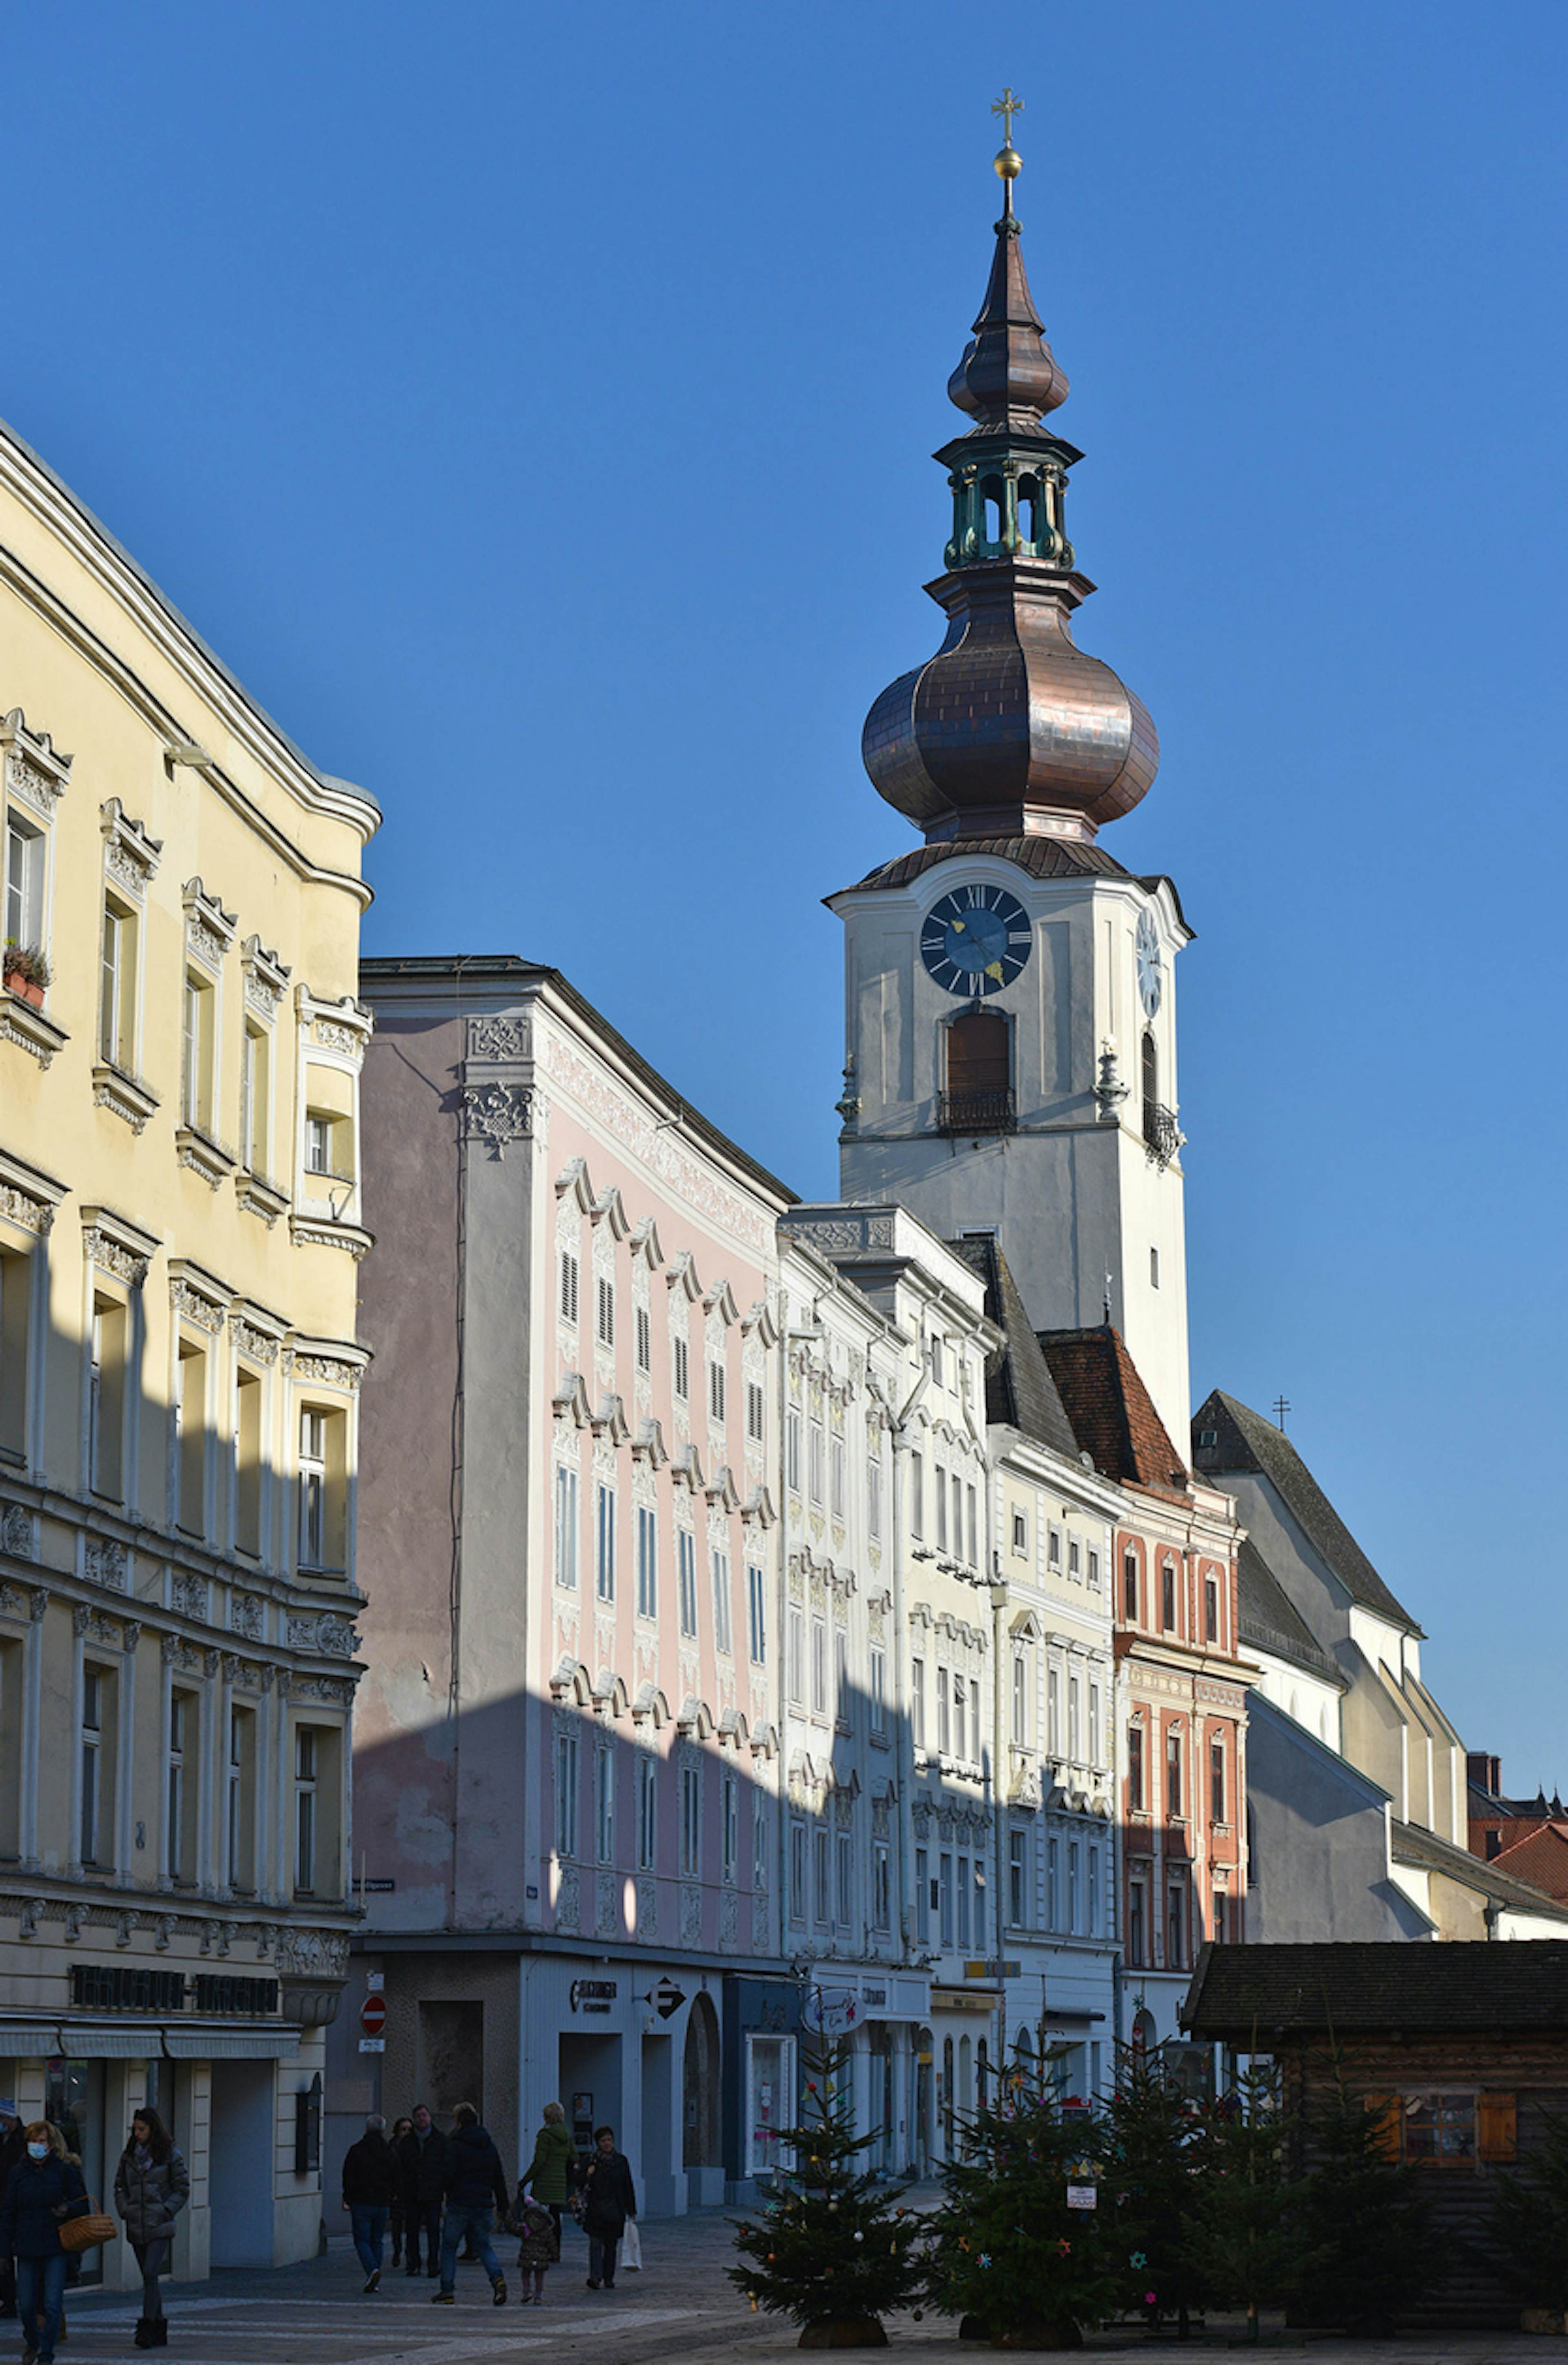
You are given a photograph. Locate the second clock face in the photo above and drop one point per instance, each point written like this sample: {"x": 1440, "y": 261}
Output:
{"x": 976, "y": 940}
{"x": 1151, "y": 976}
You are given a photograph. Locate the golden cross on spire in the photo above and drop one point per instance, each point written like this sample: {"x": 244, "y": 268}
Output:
{"x": 1007, "y": 106}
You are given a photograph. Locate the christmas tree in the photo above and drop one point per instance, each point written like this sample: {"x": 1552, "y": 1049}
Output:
{"x": 1155, "y": 2137}
{"x": 1011, "y": 2256}
{"x": 1530, "y": 2221}
{"x": 833, "y": 2250}
{"x": 1365, "y": 2222}
{"x": 1246, "y": 2239}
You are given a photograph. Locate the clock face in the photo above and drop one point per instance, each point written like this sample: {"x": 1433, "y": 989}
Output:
{"x": 1151, "y": 974}
{"x": 976, "y": 940}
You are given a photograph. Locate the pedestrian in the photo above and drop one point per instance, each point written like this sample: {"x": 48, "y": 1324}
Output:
{"x": 607, "y": 2200}
{"x": 395, "y": 2216}
{"x": 549, "y": 2176}
{"x": 371, "y": 2169}
{"x": 151, "y": 2186}
{"x": 539, "y": 2246}
{"x": 42, "y": 2190}
{"x": 476, "y": 2187}
{"x": 13, "y": 2147}
{"x": 423, "y": 2158}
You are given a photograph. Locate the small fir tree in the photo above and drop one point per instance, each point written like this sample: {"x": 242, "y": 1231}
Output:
{"x": 1367, "y": 2231}
{"x": 1245, "y": 2236}
{"x": 1155, "y": 2135}
{"x": 1530, "y": 2221}
{"x": 833, "y": 2250}
{"x": 1009, "y": 2256}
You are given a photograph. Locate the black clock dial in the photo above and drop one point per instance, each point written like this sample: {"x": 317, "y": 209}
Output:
{"x": 976, "y": 940}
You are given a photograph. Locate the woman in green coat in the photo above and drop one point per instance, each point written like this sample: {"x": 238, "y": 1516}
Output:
{"x": 549, "y": 2173}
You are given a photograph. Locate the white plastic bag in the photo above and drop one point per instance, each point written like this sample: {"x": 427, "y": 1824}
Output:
{"x": 631, "y": 2247}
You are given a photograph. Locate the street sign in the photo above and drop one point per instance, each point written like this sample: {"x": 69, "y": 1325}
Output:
{"x": 372, "y": 2044}
{"x": 667, "y": 1998}
{"x": 373, "y": 2015}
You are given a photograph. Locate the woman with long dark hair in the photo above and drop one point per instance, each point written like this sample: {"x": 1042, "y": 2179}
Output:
{"x": 151, "y": 2186}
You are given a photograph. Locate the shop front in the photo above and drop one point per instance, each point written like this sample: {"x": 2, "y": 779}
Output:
{"x": 880, "y": 2014}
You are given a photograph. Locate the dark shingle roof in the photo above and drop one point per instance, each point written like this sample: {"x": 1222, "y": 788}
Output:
{"x": 1246, "y": 1442}
{"x": 1019, "y": 1388}
{"x": 1377, "y": 1987}
{"x": 1111, "y": 1411}
{"x": 1412, "y": 1843}
{"x": 1271, "y": 1621}
{"x": 1042, "y": 857}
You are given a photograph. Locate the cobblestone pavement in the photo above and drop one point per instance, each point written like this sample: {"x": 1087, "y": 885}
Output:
{"x": 681, "y": 2306}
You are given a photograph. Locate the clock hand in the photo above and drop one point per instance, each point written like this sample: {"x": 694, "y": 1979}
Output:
{"x": 957, "y": 925}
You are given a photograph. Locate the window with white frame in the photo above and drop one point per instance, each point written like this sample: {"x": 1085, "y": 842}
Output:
{"x": 972, "y": 1530}
{"x": 16, "y": 1331}
{"x": 108, "y": 1348}
{"x": 566, "y": 1525}
{"x": 1053, "y": 1713}
{"x": 822, "y": 1900}
{"x": 945, "y": 1897}
{"x": 980, "y": 1929}
{"x": 571, "y": 1276}
{"x": 795, "y": 1654}
{"x": 881, "y": 1886}
{"x": 604, "y": 1803}
{"x": 644, "y": 1328}
{"x": 943, "y": 1713}
{"x": 312, "y": 1487}
{"x": 816, "y": 1456}
{"x": 1074, "y": 1720}
{"x": 960, "y": 1698}
{"x": 188, "y": 1458}
{"x": 604, "y": 1544}
{"x": 25, "y": 852}
{"x": 238, "y": 1855}
{"x": 686, "y": 1579}
{"x": 1020, "y": 1697}
{"x": 874, "y": 1493}
{"x": 923, "y": 1897}
{"x": 962, "y": 1873}
{"x": 180, "y": 1788}
{"x": 792, "y": 1452}
{"x": 939, "y": 1490}
{"x": 255, "y": 1098}
{"x": 690, "y": 1818}
{"x": 918, "y": 1496}
{"x": 716, "y": 1392}
{"x": 567, "y": 1792}
{"x": 797, "y": 1871}
{"x": 1053, "y": 1549}
{"x": 1095, "y": 1892}
{"x": 317, "y": 1131}
{"x": 721, "y": 1565}
{"x": 819, "y": 1667}
{"x": 917, "y": 1702}
{"x": 1094, "y": 1756}
{"x": 936, "y": 1361}
{"x": 836, "y": 1488}
{"x": 841, "y": 1700}
{"x": 1053, "y": 1884}
{"x": 116, "y": 984}
{"x": 1017, "y": 1878}
{"x": 1094, "y": 1570}
{"x": 878, "y": 1661}
{"x": 757, "y": 1615}
{"x": 198, "y": 1089}
{"x": 306, "y": 1832}
{"x": 647, "y": 1561}
{"x": 648, "y": 1811}
{"x": 1074, "y": 1910}
{"x": 1020, "y": 1534}
{"x": 1074, "y": 1558}
{"x": 756, "y": 1412}
{"x": 604, "y": 1310}
{"x": 844, "y": 1900}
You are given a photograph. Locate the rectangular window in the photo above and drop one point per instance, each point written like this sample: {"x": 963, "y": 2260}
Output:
{"x": 918, "y": 1496}
{"x": 936, "y": 1362}
{"x": 306, "y": 1825}
{"x": 878, "y": 1663}
{"x": 1137, "y": 1924}
{"x": 1021, "y": 1534}
{"x": 1094, "y": 1571}
{"x": 566, "y": 1525}
{"x": 917, "y": 1702}
{"x": 1211, "y": 1609}
{"x": 197, "y": 1094}
{"x": 981, "y": 1930}
{"x": 1129, "y": 1588}
{"x": 105, "y": 1397}
{"x": 682, "y": 1369}
{"x": 1154, "y": 1268}
{"x": 874, "y": 1495}
{"x": 797, "y": 1872}
{"x": 730, "y": 1801}
{"x": 960, "y": 1695}
{"x": 240, "y": 1818}
{"x": 816, "y": 1459}
{"x": 570, "y": 1276}
{"x": 757, "y": 1616}
{"x": 15, "y": 1326}
{"x": 819, "y": 1899}
{"x": 756, "y": 1412}
{"x": 604, "y": 1310}
{"x": 957, "y": 1516}
{"x": 759, "y": 1839}
{"x": 604, "y": 1804}
{"x": 1134, "y": 1768}
{"x": 686, "y": 1578}
{"x": 644, "y": 1327}
{"x": 963, "y": 1872}
{"x": 1094, "y": 1756}
{"x": 648, "y": 1811}
{"x": 255, "y": 1096}
{"x": 972, "y": 1509}
{"x": 1020, "y": 1696}
{"x": 1074, "y": 1558}
{"x": 312, "y": 1488}
{"x": 716, "y": 1393}
{"x": 604, "y": 1544}
{"x": 565, "y": 1794}
{"x": 721, "y": 1601}
{"x": 797, "y": 1655}
{"x": 116, "y": 987}
{"x": 792, "y": 1452}
{"x": 188, "y": 1413}
{"x": 647, "y": 1561}
{"x": 1074, "y": 1721}
{"x": 1095, "y": 1892}
{"x": 1017, "y": 1878}
{"x": 183, "y": 1777}
{"x": 23, "y": 883}
{"x": 1176, "y": 1927}
{"x": 944, "y": 1713}
{"x": 939, "y": 1490}
{"x": 841, "y": 1700}
{"x": 1053, "y": 1550}
{"x": 945, "y": 1896}
{"x": 1073, "y": 1915}
{"x": 1216, "y": 1781}
{"x": 1217, "y": 1923}
{"x": 1053, "y": 1884}
{"x": 819, "y": 1667}
{"x": 881, "y": 1886}
{"x": 922, "y": 1896}
{"x": 1173, "y": 1771}
{"x": 1053, "y": 1713}
{"x": 1168, "y": 1595}
{"x": 1439, "y": 2129}
{"x": 837, "y": 1478}
{"x": 845, "y": 1859}
{"x": 317, "y": 1129}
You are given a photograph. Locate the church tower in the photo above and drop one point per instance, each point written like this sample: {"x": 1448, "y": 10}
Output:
{"x": 1010, "y": 1013}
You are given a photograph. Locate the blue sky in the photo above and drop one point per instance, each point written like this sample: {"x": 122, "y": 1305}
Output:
{"x": 533, "y": 406}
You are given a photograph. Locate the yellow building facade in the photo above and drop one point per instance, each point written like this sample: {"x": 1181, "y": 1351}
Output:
{"x": 180, "y": 1051}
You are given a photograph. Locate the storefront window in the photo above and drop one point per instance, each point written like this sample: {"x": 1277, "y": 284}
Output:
{"x": 770, "y": 2096}
{"x": 74, "y": 2102}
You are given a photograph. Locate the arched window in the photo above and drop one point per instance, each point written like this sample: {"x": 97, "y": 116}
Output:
{"x": 1143, "y": 2031}
{"x": 1031, "y": 514}
{"x": 979, "y": 1096}
{"x": 1150, "y": 1072}
{"x": 990, "y": 497}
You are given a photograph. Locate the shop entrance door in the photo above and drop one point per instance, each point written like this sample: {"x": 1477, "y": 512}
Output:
{"x": 243, "y": 2145}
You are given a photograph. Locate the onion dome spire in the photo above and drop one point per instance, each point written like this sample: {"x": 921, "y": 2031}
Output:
{"x": 1010, "y": 729}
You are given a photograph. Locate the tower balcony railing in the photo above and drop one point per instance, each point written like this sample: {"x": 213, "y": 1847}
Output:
{"x": 993, "y": 1111}
{"x": 1162, "y": 1135}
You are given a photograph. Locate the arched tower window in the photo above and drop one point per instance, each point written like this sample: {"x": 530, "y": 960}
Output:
{"x": 977, "y": 1095}
{"x": 1150, "y": 1072}
{"x": 991, "y": 512}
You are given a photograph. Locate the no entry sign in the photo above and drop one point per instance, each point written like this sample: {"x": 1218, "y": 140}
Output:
{"x": 373, "y": 2015}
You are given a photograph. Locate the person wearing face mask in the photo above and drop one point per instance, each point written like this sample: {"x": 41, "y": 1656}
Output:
{"x": 42, "y": 2189}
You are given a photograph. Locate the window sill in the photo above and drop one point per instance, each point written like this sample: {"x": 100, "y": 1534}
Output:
{"x": 21, "y": 1022}
{"x": 260, "y": 1198}
{"x": 196, "y": 1149}
{"x": 352, "y": 1237}
{"x": 122, "y": 1095}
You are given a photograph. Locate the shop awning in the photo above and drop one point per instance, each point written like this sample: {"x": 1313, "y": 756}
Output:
{"x": 28, "y": 2040}
{"x": 87, "y": 2041}
{"x": 230, "y": 2044}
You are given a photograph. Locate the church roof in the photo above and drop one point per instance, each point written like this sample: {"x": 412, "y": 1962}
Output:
{"x": 1112, "y": 1413}
{"x": 1270, "y": 1620}
{"x": 1246, "y": 1442}
{"x": 1019, "y": 1389}
{"x": 1376, "y": 1986}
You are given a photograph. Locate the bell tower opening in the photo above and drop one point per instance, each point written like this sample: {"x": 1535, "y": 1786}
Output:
{"x": 978, "y": 1095}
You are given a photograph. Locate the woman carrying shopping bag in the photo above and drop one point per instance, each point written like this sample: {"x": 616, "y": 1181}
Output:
{"x": 42, "y": 2192}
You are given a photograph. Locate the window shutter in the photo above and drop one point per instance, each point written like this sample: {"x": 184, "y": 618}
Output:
{"x": 1384, "y": 2112}
{"x": 1497, "y": 2127}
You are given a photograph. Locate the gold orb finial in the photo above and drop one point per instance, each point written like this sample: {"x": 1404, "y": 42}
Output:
{"x": 1007, "y": 163}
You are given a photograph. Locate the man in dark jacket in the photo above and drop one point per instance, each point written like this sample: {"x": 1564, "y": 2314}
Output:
{"x": 609, "y": 2199}
{"x": 371, "y": 2175}
{"x": 423, "y": 2161}
{"x": 475, "y": 2184}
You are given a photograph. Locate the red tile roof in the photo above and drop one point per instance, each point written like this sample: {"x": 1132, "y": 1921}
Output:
{"x": 1542, "y": 1859}
{"x": 1110, "y": 1410}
